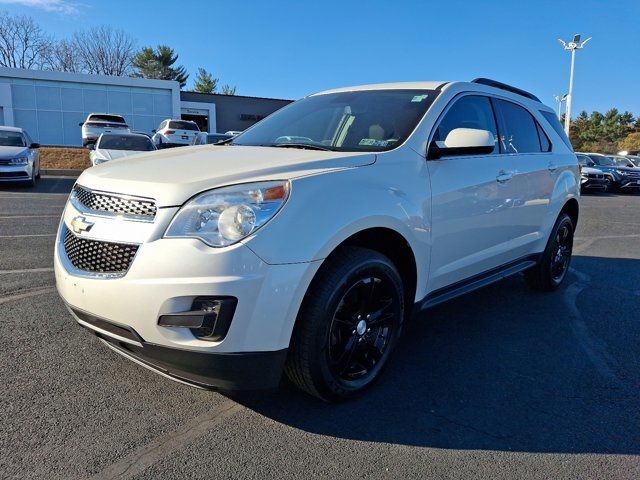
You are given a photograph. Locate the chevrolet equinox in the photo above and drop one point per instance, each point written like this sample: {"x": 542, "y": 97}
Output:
{"x": 303, "y": 244}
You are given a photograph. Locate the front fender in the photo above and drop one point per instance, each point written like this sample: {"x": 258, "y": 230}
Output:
{"x": 326, "y": 209}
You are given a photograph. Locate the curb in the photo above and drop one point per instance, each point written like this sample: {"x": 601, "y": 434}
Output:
{"x": 61, "y": 172}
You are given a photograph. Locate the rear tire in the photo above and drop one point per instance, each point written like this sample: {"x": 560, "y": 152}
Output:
{"x": 552, "y": 268}
{"x": 348, "y": 325}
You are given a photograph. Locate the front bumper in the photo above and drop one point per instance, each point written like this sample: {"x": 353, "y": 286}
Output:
{"x": 219, "y": 371}
{"x": 629, "y": 183}
{"x": 165, "y": 278}
{"x": 588, "y": 183}
{"x": 16, "y": 173}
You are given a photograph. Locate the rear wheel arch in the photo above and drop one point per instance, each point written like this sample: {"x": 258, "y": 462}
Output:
{"x": 571, "y": 208}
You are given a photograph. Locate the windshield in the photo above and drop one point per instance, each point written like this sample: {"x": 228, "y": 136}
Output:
{"x": 183, "y": 126}
{"x": 125, "y": 142}
{"x": 11, "y": 139}
{"x": 602, "y": 160}
{"x": 370, "y": 120}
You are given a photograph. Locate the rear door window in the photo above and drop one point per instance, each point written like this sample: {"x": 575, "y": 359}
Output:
{"x": 470, "y": 111}
{"x": 518, "y": 128}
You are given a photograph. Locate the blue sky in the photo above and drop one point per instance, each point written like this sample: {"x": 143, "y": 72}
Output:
{"x": 286, "y": 49}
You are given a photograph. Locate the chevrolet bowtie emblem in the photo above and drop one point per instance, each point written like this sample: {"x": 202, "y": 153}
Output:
{"x": 79, "y": 224}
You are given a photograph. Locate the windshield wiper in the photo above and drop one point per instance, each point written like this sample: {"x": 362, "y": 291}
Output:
{"x": 309, "y": 146}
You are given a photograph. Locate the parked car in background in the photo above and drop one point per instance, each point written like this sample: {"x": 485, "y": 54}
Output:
{"x": 308, "y": 256}
{"x": 623, "y": 161}
{"x": 203, "y": 138}
{"x": 111, "y": 146}
{"x": 98, "y": 123}
{"x": 589, "y": 175}
{"x": 592, "y": 179}
{"x": 175, "y": 133}
{"x": 635, "y": 159}
{"x": 623, "y": 178}
{"x": 19, "y": 159}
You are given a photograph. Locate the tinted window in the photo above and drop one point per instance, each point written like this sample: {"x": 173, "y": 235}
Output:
{"x": 545, "y": 143}
{"x": 217, "y": 137}
{"x": 367, "y": 120}
{"x": 519, "y": 132}
{"x": 584, "y": 160}
{"x": 125, "y": 142}
{"x": 177, "y": 125}
{"x": 471, "y": 111}
{"x": 555, "y": 123}
{"x": 106, "y": 118}
{"x": 602, "y": 160}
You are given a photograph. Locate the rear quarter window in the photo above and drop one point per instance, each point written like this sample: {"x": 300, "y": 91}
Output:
{"x": 555, "y": 124}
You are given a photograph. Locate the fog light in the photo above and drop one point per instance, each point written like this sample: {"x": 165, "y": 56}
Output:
{"x": 208, "y": 319}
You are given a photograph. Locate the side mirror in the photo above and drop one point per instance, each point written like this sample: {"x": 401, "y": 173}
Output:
{"x": 81, "y": 124}
{"x": 153, "y": 131}
{"x": 34, "y": 145}
{"x": 91, "y": 146}
{"x": 463, "y": 141}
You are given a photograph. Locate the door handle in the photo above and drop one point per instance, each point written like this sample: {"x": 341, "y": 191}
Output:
{"x": 552, "y": 167}
{"x": 504, "y": 177}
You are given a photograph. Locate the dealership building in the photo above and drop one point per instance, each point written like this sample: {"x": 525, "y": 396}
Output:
{"x": 51, "y": 105}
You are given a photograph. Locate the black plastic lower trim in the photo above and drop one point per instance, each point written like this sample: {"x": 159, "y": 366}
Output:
{"x": 478, "y": 281}
{"x": 217, "y": 371}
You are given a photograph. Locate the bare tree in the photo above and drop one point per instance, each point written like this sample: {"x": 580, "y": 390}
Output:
{"x": 63, "y": 57}
{"x": 23, "y": 44}
{"x": 103, "y": 51}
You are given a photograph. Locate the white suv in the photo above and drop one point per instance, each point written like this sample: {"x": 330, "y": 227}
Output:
{"x": 175, "y": 133}
{"x": 98, "y": 123}
{"x": 303, "y": 244}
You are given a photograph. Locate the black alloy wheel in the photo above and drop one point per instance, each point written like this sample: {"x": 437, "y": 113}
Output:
{"x": 347, "y": 326}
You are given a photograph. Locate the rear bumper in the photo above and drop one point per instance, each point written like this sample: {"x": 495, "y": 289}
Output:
{"x": 215, "y": 371}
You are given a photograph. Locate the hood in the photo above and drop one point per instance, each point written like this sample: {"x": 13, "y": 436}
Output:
{"x": 12, "y": 152}
{"x": 172, "y": 176}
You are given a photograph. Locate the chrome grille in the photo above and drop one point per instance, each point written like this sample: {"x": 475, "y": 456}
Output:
{"x": 114, "y": 203}
{"x": 633, "y": 174}
{"x": 596, "y": 175}
{"x": 98, "y": 256}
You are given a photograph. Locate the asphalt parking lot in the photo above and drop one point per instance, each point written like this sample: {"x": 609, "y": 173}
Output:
{"x": 504, "y": 383}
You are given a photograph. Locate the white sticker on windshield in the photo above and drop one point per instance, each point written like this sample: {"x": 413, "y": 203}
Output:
{"x": 419, "y": 98}
{"x": 372, "y": 142}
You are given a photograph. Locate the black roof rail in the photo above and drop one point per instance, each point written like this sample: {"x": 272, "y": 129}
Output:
{"x": 504, "y": 86}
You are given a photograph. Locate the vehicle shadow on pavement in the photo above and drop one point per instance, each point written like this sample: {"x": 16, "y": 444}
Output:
{"x": 503, "y": 368}
{"x": 44, "y": 185}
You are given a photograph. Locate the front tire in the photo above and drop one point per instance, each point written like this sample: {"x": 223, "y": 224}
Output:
{"x": 552, "y": 268}
{"x": 348, "y": 325}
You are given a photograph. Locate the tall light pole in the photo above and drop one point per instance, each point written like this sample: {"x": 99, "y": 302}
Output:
{"x": 559, "y": 100}
{"x": 572, "y": 46}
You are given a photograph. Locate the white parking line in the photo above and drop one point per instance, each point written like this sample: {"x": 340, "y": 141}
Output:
{"x": 138, "y": 461}
{"x": 28, "y": 216}
{"x": 26, "y": 270}
{"x": 27, "y": 294}
{"x": 29, "y": 235}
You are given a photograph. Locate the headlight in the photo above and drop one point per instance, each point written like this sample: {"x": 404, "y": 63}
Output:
{"x": 621, "y": 172}
{"x": 226, "y": 215}
{"x": 19, "y": 160}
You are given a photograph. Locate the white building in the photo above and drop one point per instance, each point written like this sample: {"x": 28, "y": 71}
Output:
{"x": 51, "y": 105}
